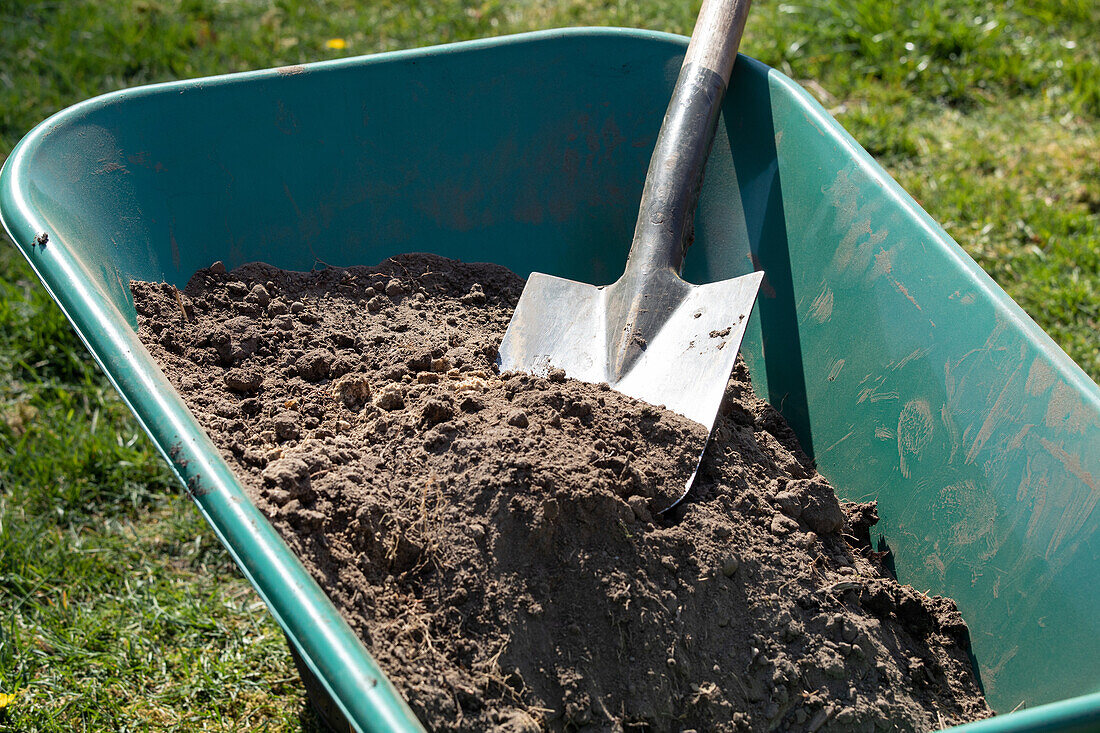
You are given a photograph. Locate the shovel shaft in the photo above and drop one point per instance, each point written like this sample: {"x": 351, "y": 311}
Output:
{"x": 717, "y": 35}
{"x": 666, "y": 215}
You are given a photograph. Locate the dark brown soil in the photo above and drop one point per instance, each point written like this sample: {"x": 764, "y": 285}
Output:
{"x": 491, "y": 537}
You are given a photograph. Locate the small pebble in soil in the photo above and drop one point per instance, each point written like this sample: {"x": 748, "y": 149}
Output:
{"x": 287, "y": 425}
{"x": 313, "y": 365}
{"x": 518, "y": 418}
{"x": 476, "y": 296}
{"x": 353, "y": 390}
{"x": 258, "y": 295}
{"x": 244, "y": 380}
{"x": 390, "y": 397}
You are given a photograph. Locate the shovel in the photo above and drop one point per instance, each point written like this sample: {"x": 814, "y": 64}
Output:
{"x": 650, "y": 334}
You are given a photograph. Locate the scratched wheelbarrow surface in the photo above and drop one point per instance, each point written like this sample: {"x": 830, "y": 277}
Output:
{"x": 908, "y": 374}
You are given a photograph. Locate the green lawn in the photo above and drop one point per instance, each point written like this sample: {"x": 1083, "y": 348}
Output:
{"x": 119, "y": 611}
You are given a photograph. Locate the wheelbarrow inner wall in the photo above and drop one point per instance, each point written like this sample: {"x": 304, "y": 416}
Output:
{"x": 908, "y": 374}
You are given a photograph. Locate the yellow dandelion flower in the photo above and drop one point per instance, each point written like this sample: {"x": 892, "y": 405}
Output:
{"x": 336, "y": 43}
{"x": 6, "y": 699}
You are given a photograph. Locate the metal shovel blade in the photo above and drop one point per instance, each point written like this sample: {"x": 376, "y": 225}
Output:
{"x": 678, "y": 353}
{"x": 650, "y": 335}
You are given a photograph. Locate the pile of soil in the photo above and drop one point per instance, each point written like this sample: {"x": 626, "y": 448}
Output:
{"x": 492, "y": 537}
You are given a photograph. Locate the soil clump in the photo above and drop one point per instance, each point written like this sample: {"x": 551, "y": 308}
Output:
{"x": 492, "y": 537}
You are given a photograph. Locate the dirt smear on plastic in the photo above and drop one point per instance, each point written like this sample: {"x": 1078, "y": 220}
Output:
{"x": 492, "y": 537}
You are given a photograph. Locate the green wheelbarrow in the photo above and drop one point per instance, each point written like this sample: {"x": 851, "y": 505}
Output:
{"x": 907, "y": 373}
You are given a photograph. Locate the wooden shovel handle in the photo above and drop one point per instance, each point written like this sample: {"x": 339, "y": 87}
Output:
{"x": 666, "y": 215}
{"x": 717, "y": 35}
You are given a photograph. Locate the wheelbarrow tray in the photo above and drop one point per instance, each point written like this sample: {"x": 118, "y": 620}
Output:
{"x": 908, "y": 374}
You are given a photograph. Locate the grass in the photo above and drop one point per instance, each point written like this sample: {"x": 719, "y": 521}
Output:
{"x": 118, "y": 610}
